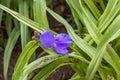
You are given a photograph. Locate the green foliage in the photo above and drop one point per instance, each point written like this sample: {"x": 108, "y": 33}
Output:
{"x": 25, "y": 33}
{"x": 9, "y": 47}
{"x": 39, "y": 10}
{"x": 23, "y": 59}
{"x": 93, "y": 56}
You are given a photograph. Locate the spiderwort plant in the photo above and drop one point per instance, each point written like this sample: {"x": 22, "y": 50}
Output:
{"x": 101, "y": 27}
{"x": 61, "y": 42}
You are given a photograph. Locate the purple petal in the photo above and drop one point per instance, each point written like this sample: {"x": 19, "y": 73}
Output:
{"x": 61, "y": 50}
{"x": 47, "y": 39}
{"x": 62, "y": 45}
{"x": 63, "y": 40}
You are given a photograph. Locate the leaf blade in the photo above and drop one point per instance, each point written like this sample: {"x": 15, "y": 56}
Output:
{"x": 9, "y": 47}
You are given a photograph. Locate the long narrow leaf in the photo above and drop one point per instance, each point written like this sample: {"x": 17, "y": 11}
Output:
{"x": 111, "y": 34}
{"x": 39, "y": 63}
{"x": 109, "y": 14}
{"x": 51, "y": 67}
{"x": 30, "y": 23}
{"x": 93, "y": 8}
{"x": 110, "y": 56}
{"x": 24, "y": 59}
{"x": 40, "y": 12}
{"x": 8, "y": 19}
{"x": 9, "y": 47}
{"x": 1, "y": 14}
{"x": 23, "y": 9}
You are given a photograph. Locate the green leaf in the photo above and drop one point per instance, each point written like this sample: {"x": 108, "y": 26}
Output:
{"x": 92, "y": 29}
{"x": 75, "y": 15}
{"x": 45, "y": 72}
{"x": 109, "y": 14}
{"x": 39, "y": 9}
{"x": 8, "y": 23}
{"x": 110, "y": 54}
{"x": 76, "y": 77}
{"x": 61, "y": 61}
{"x": 105, "y": 71}
{"x": 79, "y": 57}
{"x": 102, "y": 4}
{"x": 93, "y": 8}
{"x": 9, "y": 47}
{"x": 47, "y": 59}
{"x": 8, "y": 19}
{"x": 111, "y": 34}
{"x": 39, "y": 63}
{"x": 28, "y": 22}
{"x": 1, "y": 14}
{"x": 24, "y": 59}
{"x": 25, "y": 35}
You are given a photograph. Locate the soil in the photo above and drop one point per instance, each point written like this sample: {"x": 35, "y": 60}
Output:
{"x": 63, "y": 73}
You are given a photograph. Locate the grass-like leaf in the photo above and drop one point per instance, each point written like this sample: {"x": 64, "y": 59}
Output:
{"x": 43, "y": 74}
{"x": 109, "y": 14}
{"x": 93, "y": 8}
{"x": 39, "y": 63}
{"x": 21, "y": 18}
{"x": 102, "y": 4}
{"x": 110, "y": 35}
{"x": 1, "y": 14}
{"x": 9, "y": 47}
{"x": 25, "y": 35}
{"x": 92, "y": 29}
{"x": 40, "y": 12}
{"x": 24, "y": 59}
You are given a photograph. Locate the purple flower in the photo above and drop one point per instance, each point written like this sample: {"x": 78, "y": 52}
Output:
{"x": 61, "y": 42}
